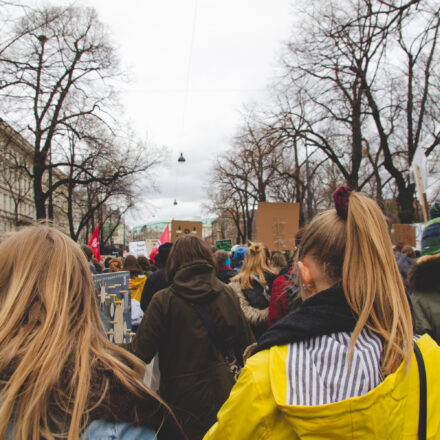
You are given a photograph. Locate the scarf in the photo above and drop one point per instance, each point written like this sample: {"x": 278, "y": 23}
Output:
{"x": 324, "y": 313}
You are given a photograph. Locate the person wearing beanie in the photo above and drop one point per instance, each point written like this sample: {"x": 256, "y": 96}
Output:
{"x": 224, "y": 269}
{"x": 157, "y": 280}
{"x": 424, "y": 279}
{"x": 238, "y": 258}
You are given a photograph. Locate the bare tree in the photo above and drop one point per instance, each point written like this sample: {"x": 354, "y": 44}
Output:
{"x": 56, "y": 73}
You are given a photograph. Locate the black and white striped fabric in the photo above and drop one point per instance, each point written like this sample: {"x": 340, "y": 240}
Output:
{"x": 317, "y": 369}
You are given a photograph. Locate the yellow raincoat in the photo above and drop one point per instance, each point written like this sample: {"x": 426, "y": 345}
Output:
{"x": 256, "y": 408}
{"x": 137, "y": 285}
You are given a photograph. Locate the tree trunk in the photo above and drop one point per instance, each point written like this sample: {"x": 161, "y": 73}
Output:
{"x": 39, "y": 195}
{"x": 405, "y": 200}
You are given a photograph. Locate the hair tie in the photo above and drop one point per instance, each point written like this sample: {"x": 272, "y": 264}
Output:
{"x": 340, "y": 197}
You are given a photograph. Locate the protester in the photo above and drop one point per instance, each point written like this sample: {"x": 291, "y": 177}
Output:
{"x": 278, "y": 262}
{"x": 107, "y": 265}
{"x": 424, "y": 279}
{"x": 97, "y": 265}
{"x": 224, "y": 269}
{"x": 60, "y": 376}
{"x": 87, "y": 250}
{"x": 195, "y": 378}
{"x": 157, "y": 280}
{"x": 138, "y": 280}
{"x": 238, "y": 257}
{"x": 285, "y": 295}
{"x": 144, "y": 263}
{"x": 252, "y": 286}
{"x": 115, "y": 265}
{"x": 342, "y": 364}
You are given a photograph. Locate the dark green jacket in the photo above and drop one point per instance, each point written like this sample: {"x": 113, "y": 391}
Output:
{"x": 424, "y": 282}
{"x": 195, "y": 380}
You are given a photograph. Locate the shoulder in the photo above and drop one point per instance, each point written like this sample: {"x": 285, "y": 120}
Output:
{"x": 104, "y": 430}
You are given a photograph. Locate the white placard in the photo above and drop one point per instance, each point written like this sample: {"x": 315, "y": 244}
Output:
{"x": 137, "y": 248}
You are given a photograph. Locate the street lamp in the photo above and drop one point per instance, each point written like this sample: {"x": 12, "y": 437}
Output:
{"x": 181, "y": 158}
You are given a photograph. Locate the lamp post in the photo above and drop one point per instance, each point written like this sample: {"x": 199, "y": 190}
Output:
{"x": 181, "y": 160}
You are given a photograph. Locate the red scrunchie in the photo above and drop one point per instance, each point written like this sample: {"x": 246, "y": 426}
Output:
{"x": 340, "y": 197}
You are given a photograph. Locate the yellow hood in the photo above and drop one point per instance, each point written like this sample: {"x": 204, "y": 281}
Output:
{"x": 256, "y": 408}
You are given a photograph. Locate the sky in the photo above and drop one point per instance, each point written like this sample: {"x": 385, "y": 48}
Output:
{"x": 193, "y": 65}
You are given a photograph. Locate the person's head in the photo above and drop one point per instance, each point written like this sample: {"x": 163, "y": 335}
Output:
{"x": 351, "y": 245}
{"x": 255, "y": 263}
{"x": 409, "y": 251}
{"x": 131, "y": 265}
{"x": 144, "y": 263}
{"x": 239, "y": 255}
{"x": 185, "y": 250}
{"x": 107, "y": 262}
{"x": 278, "y": 260}
{"x": 87, "y": 251}
{"x": 114, "y": 265}
{"x": 52, "y": 343}
{"x": 162, "y": 255}
{"x": 431, "y": 232}
{"x": 222, "y": 258}
{"x": 434, "y": 210}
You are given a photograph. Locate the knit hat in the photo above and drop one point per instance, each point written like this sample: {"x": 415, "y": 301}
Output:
{"x": 431, "y": 237}
{"x": 434, "y": 210}
{"x": 240, "y": 254}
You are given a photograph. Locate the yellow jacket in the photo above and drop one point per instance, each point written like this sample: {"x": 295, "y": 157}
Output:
{"x": 137, "y": 285}
{"x": 256, "y": 407}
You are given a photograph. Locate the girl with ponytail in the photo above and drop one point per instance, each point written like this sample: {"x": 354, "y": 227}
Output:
{"x": 342, "y": 365}
{"x": 60, "y": 377}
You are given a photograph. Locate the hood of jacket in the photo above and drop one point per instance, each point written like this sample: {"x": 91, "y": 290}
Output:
{"x": 425, "y": 275}
{"x": 367, "y": 416}
{"x": 196, "y": 282}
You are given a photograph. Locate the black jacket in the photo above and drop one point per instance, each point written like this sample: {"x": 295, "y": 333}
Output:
{"x": 155, "y": 282}
{"x": 226, "y": 275}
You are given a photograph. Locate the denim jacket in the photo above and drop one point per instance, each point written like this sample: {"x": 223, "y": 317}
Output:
{"x": 102, "y": 430}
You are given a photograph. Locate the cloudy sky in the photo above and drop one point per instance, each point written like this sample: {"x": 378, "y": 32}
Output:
{"x": 193, "y": 65}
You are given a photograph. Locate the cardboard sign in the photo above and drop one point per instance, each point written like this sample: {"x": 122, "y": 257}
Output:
{"x": 179, "y": 228}
{"x": 137, "y": 248}
{"x": 277, "y": 224}
{"x": 405, "y": 234}
{"x": 224, "y": 245}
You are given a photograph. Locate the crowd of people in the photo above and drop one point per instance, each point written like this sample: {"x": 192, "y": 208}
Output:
{"x": 336, "y": 338}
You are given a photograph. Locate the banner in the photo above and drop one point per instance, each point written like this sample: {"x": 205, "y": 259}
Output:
{"x": 164, "y": 238}
{"x": 94, "y": 243}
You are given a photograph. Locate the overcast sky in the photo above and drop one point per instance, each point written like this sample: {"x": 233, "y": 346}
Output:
{"x": 193, "y": 65}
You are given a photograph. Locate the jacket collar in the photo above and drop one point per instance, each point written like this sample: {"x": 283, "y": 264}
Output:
{"x": 324, "y": 313}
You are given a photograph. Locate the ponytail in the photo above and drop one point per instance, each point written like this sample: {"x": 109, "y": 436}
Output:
{"x": 372, "y": 283}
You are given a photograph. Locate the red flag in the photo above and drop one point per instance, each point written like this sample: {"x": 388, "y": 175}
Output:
{"x": 164, "y": 238}
{"x": 94, "y": 243}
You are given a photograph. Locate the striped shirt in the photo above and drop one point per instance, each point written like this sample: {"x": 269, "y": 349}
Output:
{"x": 317, "y": 369}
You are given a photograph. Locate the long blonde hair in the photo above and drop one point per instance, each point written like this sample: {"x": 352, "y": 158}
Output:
{"x": 254, "y": 264}
{"x": 358, "y": 252}
{"x": 52, "y": 342}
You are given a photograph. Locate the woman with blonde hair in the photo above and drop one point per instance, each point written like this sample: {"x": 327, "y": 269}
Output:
{"x": 342, "y": 365}
{"x": 60, "y": 377}
{"x": 252, "y": 286}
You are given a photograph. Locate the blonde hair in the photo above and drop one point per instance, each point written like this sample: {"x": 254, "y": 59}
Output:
{"x": 358, "y": 252}
{"x": 52, "y": 343}
{"x": 255, "y": 263}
